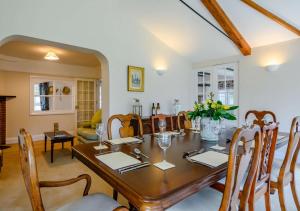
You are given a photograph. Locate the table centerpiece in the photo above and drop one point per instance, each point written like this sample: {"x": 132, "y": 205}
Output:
{"x": 211, "y": 113}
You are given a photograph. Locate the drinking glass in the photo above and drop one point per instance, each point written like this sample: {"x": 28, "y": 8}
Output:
{"x": 164, "y": 142}
{"x": 162, "y": 124}
{"x": 100, "y": 130}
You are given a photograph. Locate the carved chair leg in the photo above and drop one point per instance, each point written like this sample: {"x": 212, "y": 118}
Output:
{"x": 267, "y": 201}
{"x": 295, "y": 196}
{"x": 281, "y": 196}
{"x": 115, "y": 195}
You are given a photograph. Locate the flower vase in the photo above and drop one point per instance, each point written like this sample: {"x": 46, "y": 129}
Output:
{"x": 210, "y": 129}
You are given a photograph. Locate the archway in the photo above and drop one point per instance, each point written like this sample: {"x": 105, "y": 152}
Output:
{"x": 104, "y": 66}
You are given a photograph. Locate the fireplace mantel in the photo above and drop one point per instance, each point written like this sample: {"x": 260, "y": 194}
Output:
{"x": 6, "y": 97}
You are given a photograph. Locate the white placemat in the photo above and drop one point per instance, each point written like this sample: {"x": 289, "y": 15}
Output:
{"x": 218, "y": 147}
{"x": 116, "y": 160}
{"x": 123, "y": 140}
{"x": 100, "y": 147}
{"x": 164, "y": 165}
{"x": 211, "y": 158}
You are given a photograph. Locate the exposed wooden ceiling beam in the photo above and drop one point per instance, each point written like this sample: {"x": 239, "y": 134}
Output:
{"x": 272, "y": 16}
{"x": 218, "y": 13}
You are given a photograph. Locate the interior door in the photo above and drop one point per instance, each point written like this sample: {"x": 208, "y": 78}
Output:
{"x": 86, "y": 100}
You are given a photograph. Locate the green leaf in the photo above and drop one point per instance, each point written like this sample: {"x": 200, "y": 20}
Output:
{"x": 232, "y": 108}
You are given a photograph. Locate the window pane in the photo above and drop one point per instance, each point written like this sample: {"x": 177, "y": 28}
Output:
{"x": 42, "y": 103}
{"x": 43, "y": 88}
{"x": 222, "y": 97}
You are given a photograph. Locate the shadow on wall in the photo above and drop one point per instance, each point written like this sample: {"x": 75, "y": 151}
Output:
{"x": 104, "y": 73}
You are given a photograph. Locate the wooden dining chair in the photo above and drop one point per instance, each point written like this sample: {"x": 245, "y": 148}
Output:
{"x": 260, "y": 117}
{"x": 262, "y": 183}
{"x": 285, "y": 173}
{"x": 127, "y": 130}
{"x": 262, "y": 180}
{"x": 155, "y": 119}
{"x": 242, "y": 166}
{"x": 29, "y": 169}
{"x": 187, "y": 124}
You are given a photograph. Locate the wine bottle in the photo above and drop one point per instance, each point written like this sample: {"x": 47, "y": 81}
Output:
{"x": 157, "y": 109}
{"x": 153, "y": 109}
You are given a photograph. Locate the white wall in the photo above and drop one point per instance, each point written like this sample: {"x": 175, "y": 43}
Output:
{"x": 275, "y": 91}
{"x": 103, "y": 26}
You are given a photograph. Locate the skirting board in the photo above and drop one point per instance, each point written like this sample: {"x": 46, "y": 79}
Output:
{"x": 37, "y": 137}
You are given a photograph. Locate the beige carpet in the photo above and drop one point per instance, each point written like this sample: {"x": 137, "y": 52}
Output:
{"x": 13, "y": 195}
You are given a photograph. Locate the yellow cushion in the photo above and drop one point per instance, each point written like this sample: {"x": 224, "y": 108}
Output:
{"x": 96, "y": 118}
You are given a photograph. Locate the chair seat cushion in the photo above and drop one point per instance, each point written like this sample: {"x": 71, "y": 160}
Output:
{"x": 87, "y": 133}
{"x": 93, "y": 202}
{"x": 275, "y": 169}
{"x": 206, "y": 199}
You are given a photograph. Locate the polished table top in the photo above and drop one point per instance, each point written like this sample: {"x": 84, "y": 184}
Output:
{"x": 150, "y": 187}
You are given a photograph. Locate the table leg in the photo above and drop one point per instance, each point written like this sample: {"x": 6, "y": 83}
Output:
{"x": 52, "y": 148}
{"x": 45, "y": 143}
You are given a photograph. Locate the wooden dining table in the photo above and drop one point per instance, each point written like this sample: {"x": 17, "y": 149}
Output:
{"x": 151, "y": 188}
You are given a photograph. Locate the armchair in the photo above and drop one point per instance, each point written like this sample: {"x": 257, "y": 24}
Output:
{"x": 86, "y": 132}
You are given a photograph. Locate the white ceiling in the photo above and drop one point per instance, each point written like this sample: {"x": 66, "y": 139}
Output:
{"x": 186, "y": 33}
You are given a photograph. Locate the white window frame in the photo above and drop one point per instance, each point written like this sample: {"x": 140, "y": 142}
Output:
{"x": 39, "y": 79}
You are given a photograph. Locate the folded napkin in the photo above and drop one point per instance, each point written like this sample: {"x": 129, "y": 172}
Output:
{"x": 218, "y": 147}
{"x": 123, "y": 140}
{"x": 100, "y": 147}
{"x": 211, "y": 158}
{"x": 116, "y": 160}
{"x": 164, "y": 165}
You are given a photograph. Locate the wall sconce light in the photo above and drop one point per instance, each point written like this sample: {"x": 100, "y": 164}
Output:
{"x": 51, "y": 56}
{"x": 272, "y": 67}
{"x": 160, "y": 71}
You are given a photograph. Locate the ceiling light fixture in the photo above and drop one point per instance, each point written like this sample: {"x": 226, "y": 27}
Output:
{"x": 51, "y": 56}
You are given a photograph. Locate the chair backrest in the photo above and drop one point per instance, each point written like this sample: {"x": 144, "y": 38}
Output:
{"x": 156, "y": 118}
{"x": 126, "y": 129}
{"x": 29, "y": 170}
{"x": 260, "y": 117}
{"x": 187, "y": 123}
{"x": 290, "y": 159}
{"x": 269, "y": 140}
{"x": 242, "y": 164}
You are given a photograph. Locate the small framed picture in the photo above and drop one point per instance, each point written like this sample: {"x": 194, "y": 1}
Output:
{"x": 135, "y": 79}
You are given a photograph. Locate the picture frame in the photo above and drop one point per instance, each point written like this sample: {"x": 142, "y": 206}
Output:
{"x": 135, "y": 78}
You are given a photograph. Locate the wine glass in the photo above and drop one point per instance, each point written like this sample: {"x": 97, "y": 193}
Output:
{"x": 162, "y": 124}
{"x": 164, "y": 142}
{"x": 100, "y": 130}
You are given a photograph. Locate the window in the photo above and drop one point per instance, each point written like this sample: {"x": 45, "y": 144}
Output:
{"x": 51, "y": 95}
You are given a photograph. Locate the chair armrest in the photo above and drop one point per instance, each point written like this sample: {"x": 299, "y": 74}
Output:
{"x": 69, "y": 182}
{"x": 121, "y": 208}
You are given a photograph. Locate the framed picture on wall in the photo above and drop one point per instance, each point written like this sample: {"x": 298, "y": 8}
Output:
{"x": 135, "y": 79}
